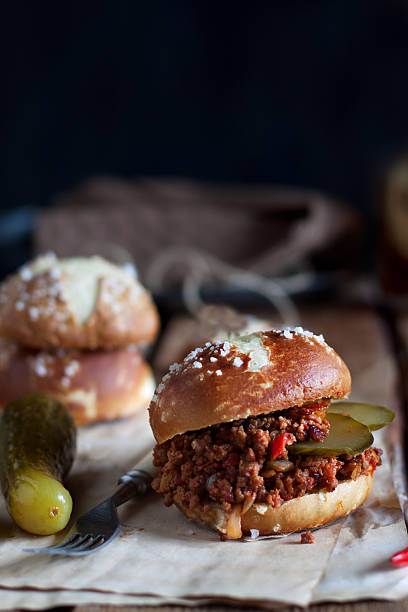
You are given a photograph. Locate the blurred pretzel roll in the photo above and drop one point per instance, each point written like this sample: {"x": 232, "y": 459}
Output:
{"x": 94, "y": 385}
{"x": 69, "y": 327}
{"x": 79, "y": 302}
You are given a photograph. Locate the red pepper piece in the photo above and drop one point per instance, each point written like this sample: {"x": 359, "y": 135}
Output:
{"x": 400, "y": 559}
{"x": 278, "y": 444}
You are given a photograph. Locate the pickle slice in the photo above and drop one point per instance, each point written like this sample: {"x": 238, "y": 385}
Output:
{"x": 346, "y": 437}
{"x": 374, "y": 417}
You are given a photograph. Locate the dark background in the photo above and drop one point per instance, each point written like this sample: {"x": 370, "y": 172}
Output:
{"x": 298, "y": 93}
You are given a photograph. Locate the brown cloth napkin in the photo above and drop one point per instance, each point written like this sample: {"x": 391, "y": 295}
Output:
{"x": 265, "y": 229}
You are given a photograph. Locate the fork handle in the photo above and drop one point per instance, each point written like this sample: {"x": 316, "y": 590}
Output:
{"x": 134, "y": 483}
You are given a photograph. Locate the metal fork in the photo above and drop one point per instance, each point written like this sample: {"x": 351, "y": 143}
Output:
{"x": 101, "y": 525}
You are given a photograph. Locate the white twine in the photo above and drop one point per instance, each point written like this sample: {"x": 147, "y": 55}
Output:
{"x": 203, "y": 266}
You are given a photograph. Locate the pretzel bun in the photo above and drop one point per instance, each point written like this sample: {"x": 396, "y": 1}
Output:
{"x": 311, "y": 510}
{"x": 94, "y": 385}
{"x": 81, "y": 302}
{"x": 246, "y": 376}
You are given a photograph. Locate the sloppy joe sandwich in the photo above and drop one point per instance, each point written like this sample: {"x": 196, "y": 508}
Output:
{"x": 247, "y": 437}
{"x": 75, "y": 328}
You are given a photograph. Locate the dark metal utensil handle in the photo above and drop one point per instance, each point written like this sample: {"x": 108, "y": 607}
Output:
{"x": 134, "y": 483}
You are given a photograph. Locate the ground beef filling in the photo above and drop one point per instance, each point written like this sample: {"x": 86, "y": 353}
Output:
{"x": 236, "y": 463}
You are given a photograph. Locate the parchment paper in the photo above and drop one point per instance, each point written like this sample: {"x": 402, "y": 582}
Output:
{"x": 161, "y": 557}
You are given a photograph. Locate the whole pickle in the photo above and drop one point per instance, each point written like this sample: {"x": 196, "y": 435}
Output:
{"x": 37, "y": 448}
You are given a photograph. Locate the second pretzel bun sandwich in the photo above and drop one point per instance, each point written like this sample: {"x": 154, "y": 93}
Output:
{"x": 243, "y": 443}
{"x": 74, "y": 328}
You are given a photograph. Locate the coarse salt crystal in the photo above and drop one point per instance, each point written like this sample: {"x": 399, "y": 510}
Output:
{"x": 106, "y": 297}
{"x": 26, "y": 274}
{"x": 154, "y": 398}
{"x": 309, "y": 334}
{"x": 276, "y": 527}
{"x": 193, "y": 354}
{"x": 130, "y": 269}
{"x": 72, "y": 368}
{"x": 60, "y": 315}
{"x": 175, "y": 367}
{"x": 261, "y": 508}
{"x": 213, "y": 359}
{"x": 53, "y": 291}
{"x": 160, "y": 388}
{"x": 55, "y": 273}
{"x": 218, "y": 372}
{"x": 20, "y": 305}
{"x": 237, "y": 362}
{"x": 40, "y": 369}
{"x": 34, "y": 313}
{"x": 48, "y": 255}
{"x": 254, "y": 533}
{"x": 197, "y": 364}
{"x": 225, "y": 349}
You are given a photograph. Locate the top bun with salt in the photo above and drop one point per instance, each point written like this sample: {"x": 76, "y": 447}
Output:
{"x": 246, "y": 376}
{"x": 78, "y": 302}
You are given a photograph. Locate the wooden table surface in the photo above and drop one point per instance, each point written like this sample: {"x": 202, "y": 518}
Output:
{"x": 364, "y": 606}
{"x": 354, "y": 331}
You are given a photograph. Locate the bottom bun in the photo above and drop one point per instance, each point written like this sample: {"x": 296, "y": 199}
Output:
{"x": 311, "y": 510}
{"x": 94, "y": 385}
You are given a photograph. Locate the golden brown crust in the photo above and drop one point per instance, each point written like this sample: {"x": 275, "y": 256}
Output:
{"x": 95, "y": 385}
{"x": 39, "y": 305}
{"x": 255, "y": 374}
{"x": 311, "y": 510}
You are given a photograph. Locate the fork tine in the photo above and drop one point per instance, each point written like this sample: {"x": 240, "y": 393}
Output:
{"x": 87, "y": 547}
{"x": 66, "y": 543}
{"x": 85, "y": 543}
{"x": 77, "y": 548}
{"x": 99, "y": 540}
{"x": 51, "y": 549}
{"x": 76, "y": 543}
